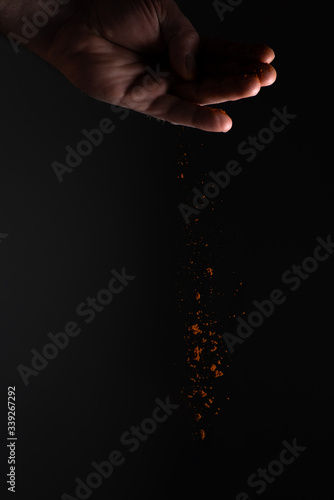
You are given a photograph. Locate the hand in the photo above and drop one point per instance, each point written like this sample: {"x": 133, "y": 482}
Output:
{"x": 107, "y": 46}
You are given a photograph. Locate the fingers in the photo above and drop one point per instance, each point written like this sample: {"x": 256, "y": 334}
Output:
{"x": 182, "y": 40}
{"x": 179, "y": 112}
{"x": 216, "y": 49}
{"x": 265, "y": 72}
{"x": 217, "y": 90}
{"x": 184, "y": 103}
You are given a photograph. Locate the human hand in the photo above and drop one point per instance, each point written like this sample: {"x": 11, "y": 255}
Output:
{"x": 107, "y": 46}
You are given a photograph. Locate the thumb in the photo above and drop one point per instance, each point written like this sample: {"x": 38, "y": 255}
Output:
{"x": 182, "y": 40}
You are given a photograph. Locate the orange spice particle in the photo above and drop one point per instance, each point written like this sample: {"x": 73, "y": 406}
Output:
{"x": 197, "y": 352}
{"x": 195, "y": 329}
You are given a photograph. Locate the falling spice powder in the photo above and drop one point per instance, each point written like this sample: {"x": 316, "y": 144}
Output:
{"x": 206, "y": 354}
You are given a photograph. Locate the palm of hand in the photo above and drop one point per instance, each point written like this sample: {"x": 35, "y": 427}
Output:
{"x": 107, "y": 48}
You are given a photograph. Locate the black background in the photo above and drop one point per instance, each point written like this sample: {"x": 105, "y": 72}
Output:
{"x": 119, "y": 208}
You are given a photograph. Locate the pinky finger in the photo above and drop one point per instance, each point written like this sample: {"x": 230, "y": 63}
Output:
{"x": 178, "y": 112}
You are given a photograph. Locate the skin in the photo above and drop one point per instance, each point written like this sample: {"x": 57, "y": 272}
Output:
{"x": 104, "y": 47}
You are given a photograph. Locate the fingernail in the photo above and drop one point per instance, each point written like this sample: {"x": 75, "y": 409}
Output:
{"x": 191, "y": 66}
